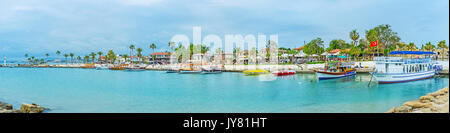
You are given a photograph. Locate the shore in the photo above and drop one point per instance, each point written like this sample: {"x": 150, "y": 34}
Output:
{"x": 367, "y": 67}
{"x": 24, "y": 108}
{"x": 435, "y": 102}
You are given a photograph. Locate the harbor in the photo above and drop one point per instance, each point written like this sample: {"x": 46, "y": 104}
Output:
{"x": 108, "y": 91}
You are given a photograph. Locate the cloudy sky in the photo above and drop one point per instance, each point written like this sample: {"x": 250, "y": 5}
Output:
{"x": 81, "y": 26}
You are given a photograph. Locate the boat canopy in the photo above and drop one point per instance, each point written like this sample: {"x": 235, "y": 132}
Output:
{"x": 411, "y": 52}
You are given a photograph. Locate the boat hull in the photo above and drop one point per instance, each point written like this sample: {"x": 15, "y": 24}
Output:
{"x": 211, "y": 72}
{"x": 389, "y": 78}
{"x": 333, "y": 75}
{"x": 190, "y": 72}
{"x": 284, "y": 73}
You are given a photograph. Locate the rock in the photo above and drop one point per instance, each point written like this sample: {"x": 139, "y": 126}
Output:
{"x": 417, "y": 104}
{"x": 31, "y": 108}
{"x": 426, "y": 98}
{"x": 403, "y": 109}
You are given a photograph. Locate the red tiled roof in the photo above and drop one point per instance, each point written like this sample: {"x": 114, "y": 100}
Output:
{"x": 160, "y": 53}
{"x": 335, "y": 50}
{"x": 299, "y": 48}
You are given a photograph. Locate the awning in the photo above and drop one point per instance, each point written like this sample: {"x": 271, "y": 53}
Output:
{"x": 411, "y": 52}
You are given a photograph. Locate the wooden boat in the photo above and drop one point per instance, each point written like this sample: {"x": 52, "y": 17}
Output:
{"x": 332, "y": 74}
{"x": 117, "y": 68}
{"x": 284, "y": 72}
{"x": 255, "y": 72}
{"x": 334, "y": 70}
{"x": 398, "y": 69}
{"x": 88, "y": 66}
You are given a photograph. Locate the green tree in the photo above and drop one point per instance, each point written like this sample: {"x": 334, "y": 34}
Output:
{"x": 93, "y": 57}
{"x": 100, "y": 53}
{"x": 139, "y": 53}
{"x": 354, "y": 36}
{"x": 372, "y": 36}
{"x": 46, "y": 55}
{"x": 442, "y": 46}
{"x": 112, "y": 56}
{"x": 314, "y": 47}
{"x": 66, "y": 55}
{"x": 58, "y": 53}
{"x": 131, "y": 50}
{"x": 71, "y": 57}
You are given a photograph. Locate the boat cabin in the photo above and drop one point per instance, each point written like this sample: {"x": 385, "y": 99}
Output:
{"x": 404, "y": 64}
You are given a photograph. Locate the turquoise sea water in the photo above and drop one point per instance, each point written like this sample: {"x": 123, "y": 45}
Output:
{"x": 87, "y": 90}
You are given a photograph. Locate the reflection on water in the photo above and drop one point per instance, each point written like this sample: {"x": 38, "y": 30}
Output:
{"x": 85, "y": 90}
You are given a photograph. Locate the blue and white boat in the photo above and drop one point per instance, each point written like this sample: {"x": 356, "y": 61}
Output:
{"x": 404, "y": 68}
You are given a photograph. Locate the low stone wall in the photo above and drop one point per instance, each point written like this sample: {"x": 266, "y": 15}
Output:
{"x": 24, "y": 108}
{"x": 436, "y": 102}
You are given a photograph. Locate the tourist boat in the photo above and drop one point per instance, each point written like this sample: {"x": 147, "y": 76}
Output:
{"x": 101, "y": 66}
{"x": 334, "y": 70}
{"x": 255, "y": 72}
{"x": 404, "y": 69}
{"x": 284, "y": 72}
{"x": 190, "y": 71}
{"x": 135, "y": 68}
{"x": 211, "y": 70}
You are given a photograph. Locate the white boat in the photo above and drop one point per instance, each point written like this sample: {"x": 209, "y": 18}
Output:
{"x": 398, "y": 69}
{"x": 102, "y": 66}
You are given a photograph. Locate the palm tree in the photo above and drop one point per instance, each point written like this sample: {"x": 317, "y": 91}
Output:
{"x": 32, "y": 59}
{"x": 58, "y": 53}
{"x": 131, "y": 49}
{"x": 46, "y": 55}
{"x": 411, "y": 46}
{"x": 79, "y": 59}
{"x": 100, "y": 53}
{"x": 203, "y": 50}
{"x": 86, "y": 58}
{"x": 442, "y": 46}
{"x": 153, "y": 47}
{"x": 71, "y": 57}
{"x": 354, "y": 36}
{"x": 66, "y": 55}
{"x": 93, "y": 57}
{"x": 139, "y": 53}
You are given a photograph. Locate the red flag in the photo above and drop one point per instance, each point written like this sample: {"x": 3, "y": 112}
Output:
{"x": 373, "y": 44}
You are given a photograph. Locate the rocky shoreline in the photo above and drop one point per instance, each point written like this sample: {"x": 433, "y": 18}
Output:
{"x": 435, "y": 102}
{"x": 24, "y": 108}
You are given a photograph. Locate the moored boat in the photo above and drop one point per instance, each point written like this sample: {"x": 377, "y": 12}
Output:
{"x": 213, "y": 71}
{"x": 284, "y": 72}
{"x": 255, "y": 72}
{"x": 190, "y": 71}
{"x": 334, "y": 70}
{"x": 399, "y": 69}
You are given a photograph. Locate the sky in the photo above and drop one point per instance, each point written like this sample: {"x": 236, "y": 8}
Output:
{"x": 37, "y": 27}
